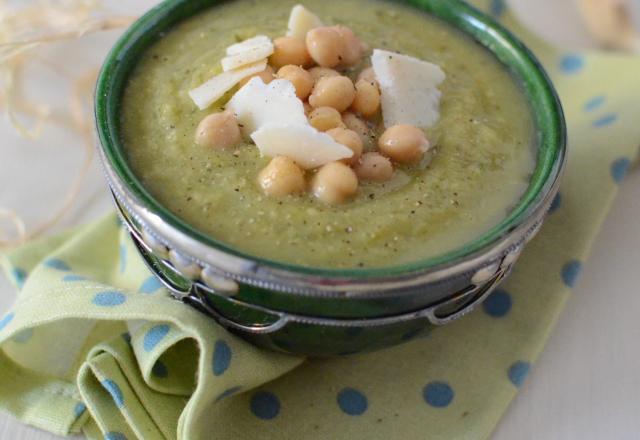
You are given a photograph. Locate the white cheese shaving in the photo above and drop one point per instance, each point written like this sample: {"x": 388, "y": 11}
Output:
{"x": 302, "y": 21}
{"x": 257, "y": 104}
{"x": 409, "y": 89}
{"x": 216, "y": 87}
{"x": 249, "y": 56}
{"x": 307, "y": 146}
{"x": 243, "y": 46}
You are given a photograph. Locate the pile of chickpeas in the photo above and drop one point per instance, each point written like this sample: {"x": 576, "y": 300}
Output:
{"x": 348, "y": 111}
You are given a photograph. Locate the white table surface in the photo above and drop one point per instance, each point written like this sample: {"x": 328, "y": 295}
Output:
{"x": 586, "y": 383}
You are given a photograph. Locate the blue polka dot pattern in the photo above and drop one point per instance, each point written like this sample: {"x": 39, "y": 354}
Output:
{"x": 109, "y": 299}
{"x": 23, "y": 337}
{"x": 150, "y": 285}
{"x": 114, "y": 390}
{"x": 160, "y": 370}
{"x": 438, "y": 394}
{"x": 570, "y": 272}
{"x": 228, "y": 393}
{"x": 123, "y": 258}
{"x": 555, "y": 205}
{"x": 352, "y": 402}
{"x": 571, "y": 63}
{"x": 20, "y": 276}
{"x": 57, "y": 264}
{"x": 221, "y": 358}
{"x": 265, "y": 405}
{"x": 619, "y": 169}
{"x": 605, "y": 121}
{"x": 4, "y": 322}
{"x": 518, "y": 372}
{"x": 594, "y": 103}
{"x": 114, "y": 436}
{"x": 154, "y": 336}
{"x": 497, "y": 304}
{"x": 79, "y": 409}
{"x": 73, "y": 278}
{"x": 497, "y": 8}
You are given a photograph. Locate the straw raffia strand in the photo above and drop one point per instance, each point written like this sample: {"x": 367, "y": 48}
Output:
{"x": 26, "y": 27}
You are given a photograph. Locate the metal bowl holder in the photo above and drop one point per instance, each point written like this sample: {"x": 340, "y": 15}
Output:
{"x": 204, "y": 278}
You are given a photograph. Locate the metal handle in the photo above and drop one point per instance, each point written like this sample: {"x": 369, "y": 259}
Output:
{"x": 186, "y": 290}
{"x": 477, "y": 293}
{"x": 177, "y": 284}
{"x": 281, "y": 319}
{"x": 470, "y": 298}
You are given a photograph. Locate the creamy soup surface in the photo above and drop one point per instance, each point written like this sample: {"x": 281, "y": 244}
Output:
{"x": 484, "y": 145}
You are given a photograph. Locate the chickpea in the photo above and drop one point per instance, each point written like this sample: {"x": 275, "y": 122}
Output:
{"x": 267, "y": 75}
{"x": 374, "y": 167}
{"x": 218, "y": 130}
{"x": 352, "y": 47}
{"x": 350, "y": 139}
{"x": 359, "y": 126}
{"x": 282, "y": 177}
{"x": 307, "y": 108}
{"x": 403, "y": 143}
{"x": 321, "y": 72}
{"x": 367, "y": 99}
{"x": 325, "y": 118}
{"x": 300, "y": 78}
{"x": 335, "y": 183}
{"x": 368, "y": 75}
{"x": 335, "y": 91}
{"x": 289, "y": 50}
{"x": 326, "y": 46}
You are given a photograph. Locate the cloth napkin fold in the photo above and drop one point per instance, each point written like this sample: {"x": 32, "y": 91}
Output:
{"x": 94, "y": 344}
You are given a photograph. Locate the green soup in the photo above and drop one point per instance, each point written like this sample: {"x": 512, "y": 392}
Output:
{"x": 484, "y": 145}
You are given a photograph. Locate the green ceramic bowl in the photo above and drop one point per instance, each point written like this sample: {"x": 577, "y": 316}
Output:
{"x": 328, "y": 311}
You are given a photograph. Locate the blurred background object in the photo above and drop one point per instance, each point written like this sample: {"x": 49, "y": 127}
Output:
{"x": 579, "y": 24}
{"x": 43, "y": 123}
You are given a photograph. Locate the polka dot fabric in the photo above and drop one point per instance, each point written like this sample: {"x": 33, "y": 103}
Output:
{"x": 136, "y": 364}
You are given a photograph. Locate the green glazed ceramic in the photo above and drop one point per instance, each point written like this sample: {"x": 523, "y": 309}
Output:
{"x": 327, "y": 311}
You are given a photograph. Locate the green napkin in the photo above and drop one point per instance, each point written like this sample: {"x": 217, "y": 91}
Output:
{"x": 94, "y": 344}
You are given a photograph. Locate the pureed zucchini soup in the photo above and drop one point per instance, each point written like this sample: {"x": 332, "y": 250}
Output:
{"x": 260, "y": 179}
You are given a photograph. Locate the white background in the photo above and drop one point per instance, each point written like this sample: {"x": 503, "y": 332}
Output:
{"x": 585, "y": 385}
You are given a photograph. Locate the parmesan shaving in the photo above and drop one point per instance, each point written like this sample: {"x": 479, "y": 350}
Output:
{"x": 257, "y": 104}
{"x": 307, "y": 146}
{"x": 409, "y": 89}
{"x": 248, "y": 56}
{"x": 245, "y": 45}
{"x": 302, "y": 21}
{"x": 216, "y": 87}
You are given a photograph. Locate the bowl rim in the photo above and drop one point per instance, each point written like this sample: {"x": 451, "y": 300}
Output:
{"x": 544, "y": 103}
